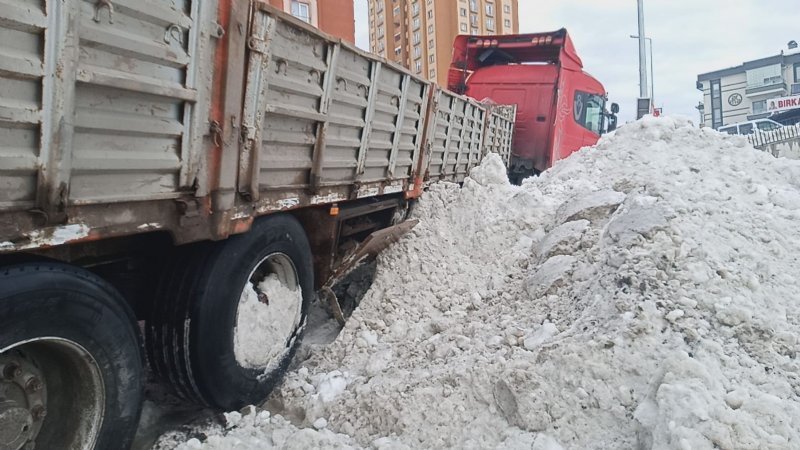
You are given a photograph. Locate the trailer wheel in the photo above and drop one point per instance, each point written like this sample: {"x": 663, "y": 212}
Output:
{"x": 230, "y": 314}
{"x": 70, "y": 360}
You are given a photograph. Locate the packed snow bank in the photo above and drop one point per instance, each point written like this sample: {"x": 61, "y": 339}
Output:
{"x": 641, "y": 294}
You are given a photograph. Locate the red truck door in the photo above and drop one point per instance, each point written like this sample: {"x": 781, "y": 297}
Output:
{"x": 587, "y": 96}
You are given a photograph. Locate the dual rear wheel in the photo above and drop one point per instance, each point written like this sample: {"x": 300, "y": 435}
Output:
{"x": 231, "y": 315}
{"x": 70, "y": 360}
{"x": 227, "y": 320}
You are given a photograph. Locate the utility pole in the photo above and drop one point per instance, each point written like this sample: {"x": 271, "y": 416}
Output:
{"x": 644, "y": 104}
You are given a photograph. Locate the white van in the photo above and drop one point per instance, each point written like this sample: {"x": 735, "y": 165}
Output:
{"x": 750, "y": 127}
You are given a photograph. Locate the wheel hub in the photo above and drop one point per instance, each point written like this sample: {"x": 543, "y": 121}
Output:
{"x": 23, "y": 402}
{"x": 52, "y": 395}
{"x": 16, "y": 426}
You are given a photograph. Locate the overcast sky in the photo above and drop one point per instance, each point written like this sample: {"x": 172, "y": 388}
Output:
{"x": 689, "y": 37}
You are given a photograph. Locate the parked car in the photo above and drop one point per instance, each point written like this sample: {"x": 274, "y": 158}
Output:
{"x": 750, "y": 127}
{"x": 787, "y": 118}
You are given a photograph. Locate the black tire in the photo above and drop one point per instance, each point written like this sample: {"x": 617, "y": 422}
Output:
{"x": 190, "y": 334}
{"x": 77, "y": 321}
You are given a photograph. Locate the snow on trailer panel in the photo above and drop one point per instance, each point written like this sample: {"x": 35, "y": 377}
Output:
{"x": 324, "y": 118}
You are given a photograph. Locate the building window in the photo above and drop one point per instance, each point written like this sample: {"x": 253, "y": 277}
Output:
{"x": 507, "y": 23}
{"x": 417, "y": 38}
{"x": 764, "y": 76}
{"x": 430, "y": 43}
{"x": 716, "y": 104}
{"x": 301, "y": 11}
{"x": 474, "y": 31}
{"x": 430, "y": 29}
{"x": 489, "y": 9}
{"x": 797, "y": 72}
{"x": 416, "y": 23}
{"x": 432, "y": 59}
{"x": 473, "y": 20}
{"x": 418, "y": 66}
{"x": 759, "y": 107}
{"x": 396, "y": 11}
{"x": 507, "y": 9}
{"x": 432, "y": 73}
{"x": 490, "y": 24}
{"x": 463, "y": 12}
{"x": 417, "y": 52}
{"x": 430, "y": 14}
{"x": 473, "y": 5}
{"x": 463, "y": 28}
{"x": 415, "y": 8}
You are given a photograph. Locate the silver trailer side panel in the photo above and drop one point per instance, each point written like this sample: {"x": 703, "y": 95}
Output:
{"x": 22, "y": 40}
{"x": 129, "y": 116}
{"x": 499, "y": 132}
{"x": 99, "y": 101}
{"x": 134, "y": 97}
{"x": 324, "y": 118}
{"x": 455, "y": 137}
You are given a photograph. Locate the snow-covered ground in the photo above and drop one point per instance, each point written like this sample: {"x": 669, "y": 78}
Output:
{"x": 641, "y": 294}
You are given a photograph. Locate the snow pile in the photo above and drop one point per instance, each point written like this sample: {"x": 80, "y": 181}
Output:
{"x": 641, "y": 294}
{"x": 266, "y": 317}
{"x": 260, "y": 430}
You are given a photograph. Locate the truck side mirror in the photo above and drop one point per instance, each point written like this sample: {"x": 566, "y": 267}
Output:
{"x": 614, "y": 108}
{"x": 612, "y": 123}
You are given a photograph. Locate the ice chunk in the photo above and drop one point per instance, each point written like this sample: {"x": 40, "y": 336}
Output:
{"x": 592, "y": 207}
{"x": 550, "y": 275}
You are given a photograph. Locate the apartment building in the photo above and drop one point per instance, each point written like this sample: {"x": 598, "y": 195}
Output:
{"x": 419, "y": 34}
{"x": 336, "y": 17}
{"x": 753, "y": 90}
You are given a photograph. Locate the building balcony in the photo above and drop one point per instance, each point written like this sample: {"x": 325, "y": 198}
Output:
{"x": 762, "y": 115}
{"x": 775, "y": 88}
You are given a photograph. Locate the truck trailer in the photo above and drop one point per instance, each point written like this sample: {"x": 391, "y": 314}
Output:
{"x": 560, "y": 107}
{"x": 178, "y": 180}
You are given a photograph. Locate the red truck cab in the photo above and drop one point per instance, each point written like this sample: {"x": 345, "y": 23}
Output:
{"x": 560, "y": 108}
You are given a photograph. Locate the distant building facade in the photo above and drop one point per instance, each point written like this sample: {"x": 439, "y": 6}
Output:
{"x": 419, "y": 34}
{"x": 751, "y": 91}
{"x": 336, "y": 17}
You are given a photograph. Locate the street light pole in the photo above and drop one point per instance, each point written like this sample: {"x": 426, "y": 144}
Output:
{"x": 643, "y": 90}
{"x": 652, "y": 72}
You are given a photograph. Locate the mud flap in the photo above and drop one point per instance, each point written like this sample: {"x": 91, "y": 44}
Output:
{"x": 369, "y": 248}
